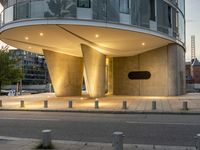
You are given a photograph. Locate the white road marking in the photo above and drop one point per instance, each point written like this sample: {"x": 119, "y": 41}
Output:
{"x": 161, "y": 123}
{"x": 30, "y": 119}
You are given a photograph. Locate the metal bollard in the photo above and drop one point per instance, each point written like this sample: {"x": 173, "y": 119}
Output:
{"x": 197, "y": 141}
{"x": 70, "y": 104}
{"x": 124, "y": 105}
{"x": 22, "y": 104}
{"x": 46, "y": 138}
{"x": 117, "y": 140}
{"x": 96, "y": 104}
{"x": 153, "y": 105}
{"x": 45, "y": 104}
{"x": 1, "y": 103}
{"x": 185, "y": 105}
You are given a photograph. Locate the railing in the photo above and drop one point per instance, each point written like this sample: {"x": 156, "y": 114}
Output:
{"x": 109, "y": 11}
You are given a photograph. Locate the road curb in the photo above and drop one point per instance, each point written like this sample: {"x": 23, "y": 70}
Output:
{"x": 106, "y": 111}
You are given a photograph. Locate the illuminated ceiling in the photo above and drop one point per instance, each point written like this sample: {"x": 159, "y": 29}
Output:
{"x": 67, "y": 39}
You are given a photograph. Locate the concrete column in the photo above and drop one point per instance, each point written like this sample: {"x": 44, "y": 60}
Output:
{"x": 176, "y": 70}
{"x": 94, "y": 64}
{"x": 66, "y": 73}
{"x": 110, "y": 76}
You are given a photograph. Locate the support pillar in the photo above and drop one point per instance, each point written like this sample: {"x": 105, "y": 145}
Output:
{"x": 66, "y": 73}
{"x": 94, "y": 64}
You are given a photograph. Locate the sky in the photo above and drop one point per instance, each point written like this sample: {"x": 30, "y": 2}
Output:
{"x": 192, "y": 26}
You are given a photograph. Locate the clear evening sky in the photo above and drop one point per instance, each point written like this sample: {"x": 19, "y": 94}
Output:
{"x": 192, "y": 26}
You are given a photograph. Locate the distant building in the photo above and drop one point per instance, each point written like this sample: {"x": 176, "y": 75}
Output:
{"x": 195, "y": 70}
{"x": 193, "y": 75}
{"x": 188, "y": 73}
{"x": 33, "y": 66}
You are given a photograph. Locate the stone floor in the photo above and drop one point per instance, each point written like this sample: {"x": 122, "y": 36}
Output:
{"x": 138, "y": 104}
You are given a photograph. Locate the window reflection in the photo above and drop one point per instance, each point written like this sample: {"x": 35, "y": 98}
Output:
{"x": 61, "y": 8}
{"x": 99, "y": 9}
{"x": 124, "y": 6}
{"x": 83, "y": 3}
{"x": 152, "y": 10}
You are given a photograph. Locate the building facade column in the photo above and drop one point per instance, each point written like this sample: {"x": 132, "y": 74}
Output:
{"x": 66, "y": 73}
{"x": 94, "y": 65}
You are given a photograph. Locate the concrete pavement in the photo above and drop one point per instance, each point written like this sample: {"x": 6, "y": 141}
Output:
{"x": 135, "y": 104}
{"x": 10, "y": 143}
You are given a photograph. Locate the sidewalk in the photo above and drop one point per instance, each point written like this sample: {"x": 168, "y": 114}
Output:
{"x": 7, "y": 143}
{"x": 108, "y": 104}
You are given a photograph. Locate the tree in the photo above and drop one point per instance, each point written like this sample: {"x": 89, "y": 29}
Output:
{"x": 8, "y": 71}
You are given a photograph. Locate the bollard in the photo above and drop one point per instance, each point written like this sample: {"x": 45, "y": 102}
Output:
{"x": 70, "y": 104}
{"x": 185, "y": 105}
{"x": 22, "y": 104}
{"x": 153, "y": 105}
{"x": 45, "y": 104}
{"x": 124, "y": 105}
{"x": 117, "y": 140}
{"x": 197, "y": 141}
{"x": 1, "y": 103}
{"x": 46, "y": 138}
{"x": 96, "y": 104}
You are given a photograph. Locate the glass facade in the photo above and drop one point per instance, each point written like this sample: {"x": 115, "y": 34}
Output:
{"x": 165, "y": 17}
{"x": 33, "y": 66}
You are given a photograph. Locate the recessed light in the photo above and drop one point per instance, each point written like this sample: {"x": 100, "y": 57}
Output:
{"x": 96, "y": 35}
{"x": 143, "y": 44}
{"x": 29, "y": 47}
{"x": 26, "y": 38}
{"x": 41, "y": 34}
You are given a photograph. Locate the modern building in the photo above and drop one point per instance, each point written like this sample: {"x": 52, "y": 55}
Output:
{"x": 120, "y": 47}
{"x": 33, "y": 67}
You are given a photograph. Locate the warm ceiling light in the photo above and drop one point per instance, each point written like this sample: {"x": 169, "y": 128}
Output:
{"x": 143, "y": 44}
{"x": 26, "y": 38}
{"x": 96, "y": 35}
{"x": 29, "y": 47}
{"x": 41, "y": 34}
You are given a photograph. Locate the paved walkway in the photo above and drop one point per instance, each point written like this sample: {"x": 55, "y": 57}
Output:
{"x": 136, "y": 104}
{"x": 7, "y": 143}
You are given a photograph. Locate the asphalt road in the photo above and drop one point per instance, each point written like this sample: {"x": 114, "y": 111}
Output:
{"x": 138, "y": 129}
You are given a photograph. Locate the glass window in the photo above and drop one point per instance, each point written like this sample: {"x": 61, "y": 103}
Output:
{"x": 38, "y": 8}
{"x": 169, "y": 16}
{"x": 163, "y": 17}
{"x": 152, "y": 10}
{"x": 99, "y": 9}
{"x": 84, "y": 3}
{"x": 181, "y": 27}
{"x": 8, "y": 14}
{"x": 64, "y": 8}
{"x": 181, "y": 5}
{"x": 174, "y": 22}
{"x": 23, "y": 9}
{"x": 113, "y": 10}
{"x": 11, "y": 2}
{"x": 124, "y": 6}
{"x": 140, "y": 13}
